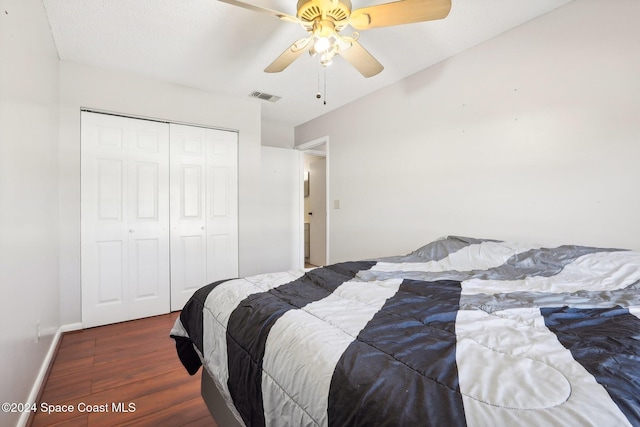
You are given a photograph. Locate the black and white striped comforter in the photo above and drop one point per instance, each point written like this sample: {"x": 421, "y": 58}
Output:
{"x": 460, "y": 332}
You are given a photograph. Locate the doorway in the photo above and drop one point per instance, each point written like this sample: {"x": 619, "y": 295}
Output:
{"x": 315, "y": 218}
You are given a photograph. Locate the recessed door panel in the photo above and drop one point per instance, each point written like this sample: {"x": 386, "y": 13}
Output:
{"x": 109, "y": 189}
{"x": 219, "y": 194}
{"x": 110, "y": 272}
{"x": 148, "y": 142}
{"x": 193, "y": 254}
{"x": 192, "y": 145}
{"x": 146, "y": 198}
{"x": 110, "y": 138}
{"x": 145, "y": 278}
{"x": 191, "y": 189}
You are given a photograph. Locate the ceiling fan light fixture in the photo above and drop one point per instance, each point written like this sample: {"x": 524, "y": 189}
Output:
{"x": 322, "y": 44}
{"x": 326, "y": 60}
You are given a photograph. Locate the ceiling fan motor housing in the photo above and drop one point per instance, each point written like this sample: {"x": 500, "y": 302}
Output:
{"x": 313, "y": 10}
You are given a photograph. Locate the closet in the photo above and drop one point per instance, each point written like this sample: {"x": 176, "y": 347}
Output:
{"x": 159, "y": 215}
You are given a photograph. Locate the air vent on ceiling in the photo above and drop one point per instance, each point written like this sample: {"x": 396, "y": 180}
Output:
{"x": 264, "y": 96}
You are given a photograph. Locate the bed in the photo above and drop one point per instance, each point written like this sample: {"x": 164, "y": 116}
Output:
{"x": 460, "y": 332}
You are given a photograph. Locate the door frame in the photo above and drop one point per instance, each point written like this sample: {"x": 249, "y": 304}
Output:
{"x": 311, "y": 147}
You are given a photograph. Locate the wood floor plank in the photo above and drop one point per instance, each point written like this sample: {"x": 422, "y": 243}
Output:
{"x": 148, "y": 367}
{"x": 109, "y": 367}
{"x": 76, "y": 351}
{"x": 128, "y": 393}
{"x": 142, "y": 347}
{"x": 71, "y": 366}
{"x": 64, "y": 392}
{"x": 167, "y": 401}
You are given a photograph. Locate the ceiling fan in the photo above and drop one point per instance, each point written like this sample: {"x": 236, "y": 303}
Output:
{"x": 324, "y": 19}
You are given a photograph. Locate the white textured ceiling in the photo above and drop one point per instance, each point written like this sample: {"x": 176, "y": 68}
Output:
{"x": 217, "y": 47}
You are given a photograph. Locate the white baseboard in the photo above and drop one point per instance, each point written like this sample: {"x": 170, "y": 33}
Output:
{"x": 70, "y": 327}
{"x": 39, "y": 382}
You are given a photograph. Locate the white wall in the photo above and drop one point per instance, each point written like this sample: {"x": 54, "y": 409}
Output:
{"x": 277, "y": 134}
{"x": 87, "y": 87}
{"x": 28, "y": 196}
{"x": 531, "y": 136}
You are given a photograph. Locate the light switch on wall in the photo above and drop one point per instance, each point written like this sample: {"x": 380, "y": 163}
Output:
{"x": 336, "y": 204}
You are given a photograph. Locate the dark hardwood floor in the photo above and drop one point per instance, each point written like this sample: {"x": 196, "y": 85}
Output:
{"x": 130, "y": 366}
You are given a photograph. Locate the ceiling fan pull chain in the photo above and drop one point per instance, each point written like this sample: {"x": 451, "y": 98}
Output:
{"x": 325, "y": 85}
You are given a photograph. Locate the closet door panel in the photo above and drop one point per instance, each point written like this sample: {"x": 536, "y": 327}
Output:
{"x": 124, "y": 218}
{"x": 204, "y": 237}
{"x": 189, "y": 261}
{"x": 148, "y": 218}
{"x": 104, "y": 236}
{"x": 222, "y": 212}
{"x": 188, "y": 241}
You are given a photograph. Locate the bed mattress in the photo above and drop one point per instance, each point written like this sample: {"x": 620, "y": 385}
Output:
{"x": 461, "y": 332}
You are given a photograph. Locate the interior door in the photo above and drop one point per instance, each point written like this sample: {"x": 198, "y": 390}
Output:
{"x": 318, "y": 205}
{"x": 124, "y": 218}
{"x": 204, "y": 209}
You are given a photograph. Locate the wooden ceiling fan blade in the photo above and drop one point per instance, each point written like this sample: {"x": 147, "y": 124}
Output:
{"x": 260, "y": 9}
{"x": 361, "y": 59}
{"x": 399, "y": 12}
{"x": 288, "y": 56}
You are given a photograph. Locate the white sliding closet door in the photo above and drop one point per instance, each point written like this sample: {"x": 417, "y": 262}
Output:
{"x": 124, "y": 218}
{"x": 204, "y": 209}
